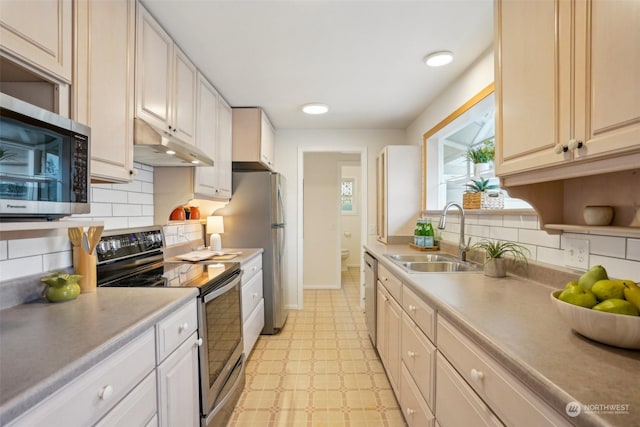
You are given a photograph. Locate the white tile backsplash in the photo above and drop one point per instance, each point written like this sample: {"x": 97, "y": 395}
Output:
{"x": 619, "y": 254}
{"x": 20, "y": 267}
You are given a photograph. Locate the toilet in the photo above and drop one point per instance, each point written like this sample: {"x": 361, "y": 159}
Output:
{"x": 344, "y": 255}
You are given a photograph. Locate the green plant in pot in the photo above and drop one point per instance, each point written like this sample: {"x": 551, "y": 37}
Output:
{"x": 495, "y": 264}
{"x": 62, "y": 286}
{"x": 481, "y": 185}
{"x": 481, "y": 157}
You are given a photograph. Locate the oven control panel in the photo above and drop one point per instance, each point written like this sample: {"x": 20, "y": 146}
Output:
{"x": 123, "y": 245}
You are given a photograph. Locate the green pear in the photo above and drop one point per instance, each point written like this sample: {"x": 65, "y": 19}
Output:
{"x": 578, "y": 296}
{"x": 595, "y": 273}
{"x": 618, "y": 306}
{"x": 570, "y": 284}
{"x": 632, "y": 293}
{"x": 607, "y": 289}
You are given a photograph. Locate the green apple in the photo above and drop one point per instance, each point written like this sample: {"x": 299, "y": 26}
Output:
{"x": 578, "y": 296}
{"x": 618, "y": 306}
{"x": 632, "y": 293}
{"x": 595, "y": 273}
{"x": 607, "y": 289}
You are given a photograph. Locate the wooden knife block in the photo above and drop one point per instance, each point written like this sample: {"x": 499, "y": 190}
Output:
{"x": 85, "y": 264}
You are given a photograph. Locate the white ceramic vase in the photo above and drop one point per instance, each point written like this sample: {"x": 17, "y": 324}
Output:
{"x": 480, "y": 168}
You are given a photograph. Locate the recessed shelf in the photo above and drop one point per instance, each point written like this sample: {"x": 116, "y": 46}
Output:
{"x": 608, "y": 230}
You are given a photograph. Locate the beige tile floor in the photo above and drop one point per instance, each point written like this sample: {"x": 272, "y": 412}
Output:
{"x": 320, "y": 371}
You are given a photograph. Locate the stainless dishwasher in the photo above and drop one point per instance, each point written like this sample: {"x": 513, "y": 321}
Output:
{"x": 370, "y": 287}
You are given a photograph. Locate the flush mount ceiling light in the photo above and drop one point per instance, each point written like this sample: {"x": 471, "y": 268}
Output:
{"x": 438, "y": 59}
{"x": 315, "y": 108}
{"x": 170, "y": 152}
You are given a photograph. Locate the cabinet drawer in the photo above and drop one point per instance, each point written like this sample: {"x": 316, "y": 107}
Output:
{"x": 419, "y": 356}
{"x": 89, "y": 397}
{"x": 251, "y": 268}
{"x": 457, "y": 404}
{"x": 507, "y": 397}
{"x": 390, "y": 282}
{"x": 176, "y": 328}
{"x": 414, "y": 408}
{"x": 253, "y": 327}
{"x": 251, "y": 295}
{"x": 137, "y": 409}
{"x": 420, "y": 312}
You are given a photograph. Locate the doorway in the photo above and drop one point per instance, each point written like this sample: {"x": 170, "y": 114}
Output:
{"x": 333, "y": 215}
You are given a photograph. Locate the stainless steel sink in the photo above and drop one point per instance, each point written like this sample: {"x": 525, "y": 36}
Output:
{"x": 440, "y": 267}
{"x": 422, "y": 258}
{"x": 433, "y": 263}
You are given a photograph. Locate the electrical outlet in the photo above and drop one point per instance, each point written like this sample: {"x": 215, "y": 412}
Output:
{"x": 576, "y": 253}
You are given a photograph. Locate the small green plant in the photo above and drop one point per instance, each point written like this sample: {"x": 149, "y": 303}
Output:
{"x": 480, "y": 185}
{"x": 496, "y": 249}
{"x": 482, "y": 154}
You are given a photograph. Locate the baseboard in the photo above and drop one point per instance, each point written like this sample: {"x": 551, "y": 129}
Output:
{"x": 316, "y": 287}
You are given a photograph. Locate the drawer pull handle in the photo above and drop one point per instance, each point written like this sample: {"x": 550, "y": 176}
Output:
{"x": 476, "y": 375}
{"x": 410, "y": 411}
{"x": 199, "y": 342}
{"x": 411, "y": 353}
{"x": 412, "y": 307}
{"x": 183, "y": 327}
{"x": 105, "y": 393}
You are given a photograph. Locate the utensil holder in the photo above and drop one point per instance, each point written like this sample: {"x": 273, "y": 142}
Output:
{"x": 85, "y": 264}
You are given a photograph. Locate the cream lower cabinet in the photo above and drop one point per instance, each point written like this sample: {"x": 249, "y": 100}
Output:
{"x": 388, "y": 319}
{"x": 153, "y": 380}
{"x": 488, "y": 388}
{"x": 567, "y": 89}
{"x": 39, "y": 33}
{"x": 103, "y": 90}
{"x": 252, "y": 302}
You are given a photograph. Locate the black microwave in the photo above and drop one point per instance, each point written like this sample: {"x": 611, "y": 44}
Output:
{"x": 44, "y": 163}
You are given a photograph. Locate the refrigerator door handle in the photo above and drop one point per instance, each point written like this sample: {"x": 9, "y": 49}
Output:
{"x": 281, "y": 205}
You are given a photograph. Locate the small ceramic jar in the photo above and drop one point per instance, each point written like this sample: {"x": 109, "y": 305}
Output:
{"x": 598, "y": 215}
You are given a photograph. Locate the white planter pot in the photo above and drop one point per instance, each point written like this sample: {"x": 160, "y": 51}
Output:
{"x": 480, "y": 168}
{"x": 496, "y": 267}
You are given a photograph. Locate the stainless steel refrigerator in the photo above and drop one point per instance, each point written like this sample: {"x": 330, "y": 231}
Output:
{"x": 255, "y": 218}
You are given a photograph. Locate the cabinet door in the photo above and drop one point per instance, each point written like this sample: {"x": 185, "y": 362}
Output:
{"x": 103, "y": 84}
{"x": 40, "y": 33}
{"x": 607, "y": 97}
{"x": 394, "y": 322}
{"x": 225, "y": 149}
{"x": 381, "y": 324}
{"x": 178, "y": 398}
{"x": 206, "y": 137}
{"x": 154, "y": 59}
{"x": 267, "y": 141}
{"x": 185, "y": 75}
{"x": 532, "y": 84}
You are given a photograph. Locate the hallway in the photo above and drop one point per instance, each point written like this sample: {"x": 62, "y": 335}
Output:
{"x": 321, "y": 370}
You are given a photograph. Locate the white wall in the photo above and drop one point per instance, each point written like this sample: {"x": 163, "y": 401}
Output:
{"x": 289, "y": 142}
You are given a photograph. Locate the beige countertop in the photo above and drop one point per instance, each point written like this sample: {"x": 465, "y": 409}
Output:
{"x": 44, "y": 346}
{"x": 514, "y": 320}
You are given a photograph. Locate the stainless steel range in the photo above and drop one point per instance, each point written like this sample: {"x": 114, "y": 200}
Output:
{"x": 135, "y": 258}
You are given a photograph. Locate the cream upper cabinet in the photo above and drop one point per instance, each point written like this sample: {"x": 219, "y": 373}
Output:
{"x": 214, "y": 138}
{"x": 397, "y": 192}
{"x": 39, "y": 32}
{"x": 567, "y": 88}
{"x": 224, "y": 149}
{"x": 103, "y": 84}
{"x": 166, "y": 81}
{"x": 253, "y": 139}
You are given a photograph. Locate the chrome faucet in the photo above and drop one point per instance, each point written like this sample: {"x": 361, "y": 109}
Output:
{"x": 462, "y": 247}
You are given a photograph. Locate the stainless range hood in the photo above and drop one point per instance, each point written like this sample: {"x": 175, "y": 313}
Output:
{"x": 157, "y": 148}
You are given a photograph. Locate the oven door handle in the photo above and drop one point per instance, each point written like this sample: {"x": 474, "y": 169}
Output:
{"x": 215, "y": 294}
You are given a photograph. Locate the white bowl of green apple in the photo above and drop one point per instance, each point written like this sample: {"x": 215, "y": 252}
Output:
{"x": 602, "y": 309}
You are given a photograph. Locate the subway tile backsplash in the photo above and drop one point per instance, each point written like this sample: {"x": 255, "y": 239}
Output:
{"x": 620, "y": 255}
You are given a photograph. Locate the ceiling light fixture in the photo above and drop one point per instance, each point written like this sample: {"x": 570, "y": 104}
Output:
{"x": 315, "y": 108}
{"x": 170, "y": 152}
{"x": 195, "y": 162}
{"x": 438, "y": 59}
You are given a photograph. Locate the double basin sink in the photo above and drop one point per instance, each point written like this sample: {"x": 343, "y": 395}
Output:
{"x": 433, "y": 263}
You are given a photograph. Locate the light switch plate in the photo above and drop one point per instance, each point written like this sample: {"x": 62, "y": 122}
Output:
{"x": 576, "y": 253}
